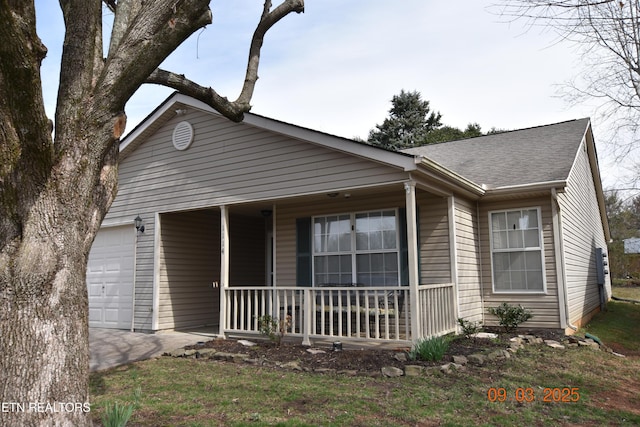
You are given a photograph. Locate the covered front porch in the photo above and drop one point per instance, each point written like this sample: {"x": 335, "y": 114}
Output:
{"x": 327, "y": 285}
{"x": 343, "y": 313}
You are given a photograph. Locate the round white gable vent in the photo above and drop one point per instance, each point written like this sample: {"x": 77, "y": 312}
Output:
{"x": 182, "y": 135}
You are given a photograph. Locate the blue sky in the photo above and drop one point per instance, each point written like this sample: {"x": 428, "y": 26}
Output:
{"x": 336, "y": 67}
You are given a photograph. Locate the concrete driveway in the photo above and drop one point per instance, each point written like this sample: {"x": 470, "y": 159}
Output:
{"x": 113, "y": 347}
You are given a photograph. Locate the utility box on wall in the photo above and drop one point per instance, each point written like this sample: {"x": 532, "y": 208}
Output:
{"x": 602, "y": 270}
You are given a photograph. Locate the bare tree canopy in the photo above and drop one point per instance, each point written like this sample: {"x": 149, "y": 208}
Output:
{"x": 607, "y": 32}
{"x": 55, "y": 188}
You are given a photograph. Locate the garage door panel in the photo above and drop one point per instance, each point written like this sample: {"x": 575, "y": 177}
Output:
{"x": 110, "y": 278}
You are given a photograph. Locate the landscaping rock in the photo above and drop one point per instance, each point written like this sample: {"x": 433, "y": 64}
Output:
{"x": 477, "y": 359}
{"x": 391, "y": 372}
{"x": 554, "y": 344}
{"x": 485, "y": 335}
{"x": 445, "y": 369}
{"x": 514, "y": 347}
{"x": 460, "y": 360}
{"x": 206, "y": 352}
{"x": 315, "y": 351}
{"x": 400, "y": 357}
{"x": 496, "y": 355}
{"x": 348, "y": 372}
{"x": 230, "y": 357}
{"x": 294, "y": 365}
{"x": 178, "y": 352}
{"x": 414, "y": 370}
{"x": 190, "y": 353}
{"x": 247, "y": 343}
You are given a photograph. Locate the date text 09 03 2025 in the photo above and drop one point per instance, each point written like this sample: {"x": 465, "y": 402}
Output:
{"x": 528, "y": 394}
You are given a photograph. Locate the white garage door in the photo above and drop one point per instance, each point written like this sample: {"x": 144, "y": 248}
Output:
{"x": 110, "y": 278}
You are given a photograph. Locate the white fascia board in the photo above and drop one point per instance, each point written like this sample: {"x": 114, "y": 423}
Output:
{"x": 536, "y": 186}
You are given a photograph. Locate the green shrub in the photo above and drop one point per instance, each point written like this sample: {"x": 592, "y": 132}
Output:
{"x": 510, "y": 316}
{"x": 469, "y": 328}
{"x": 429, "y": 349}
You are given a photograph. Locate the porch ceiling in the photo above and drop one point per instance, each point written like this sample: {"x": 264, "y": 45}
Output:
{"x": 254, "y": 209}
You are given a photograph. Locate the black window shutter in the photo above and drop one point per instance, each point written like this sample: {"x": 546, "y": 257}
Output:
{"x": 303, "y": 252}
{"x": 404, "y": 245}
{"x": 404, "y": 248}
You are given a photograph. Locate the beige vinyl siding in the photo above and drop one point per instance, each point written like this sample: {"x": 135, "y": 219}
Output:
{"x": 435, "y": 254}
{"x": 231, "y": 163}
{"x": 189, "y": 264}
{"x": 434, "y": 247}
{"x": 582, "y": 233}
{"x": 544, "y": 306}
{"x": 143, "y": 312}
{"x": 468, "y": 260}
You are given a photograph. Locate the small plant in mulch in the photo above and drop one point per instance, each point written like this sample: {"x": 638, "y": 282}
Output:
{"x": 273, "y": 328}
{"x": 510, "y": 316}
{"x": 430, "y": 349}
{"x": 469, "y": 328}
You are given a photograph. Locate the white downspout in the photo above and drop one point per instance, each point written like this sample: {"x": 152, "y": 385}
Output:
{"x": 133, "y": 292}
{"x": 453, "y": 251}
{"x": 224, "y": 267}
{"x": 563, "y": 303}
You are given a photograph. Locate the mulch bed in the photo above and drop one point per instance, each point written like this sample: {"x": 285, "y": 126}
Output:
{"x": 352, "y": 358}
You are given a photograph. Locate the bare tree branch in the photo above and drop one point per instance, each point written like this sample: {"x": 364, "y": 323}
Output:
{"x": 233, "y": 110}
{"x": 607, "y": 34}
{"x": 111, "y": 5}
{"x": 179, "y": 82}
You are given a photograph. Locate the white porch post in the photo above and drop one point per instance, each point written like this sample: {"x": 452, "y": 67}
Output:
{"x": 412, "y": 255}
{"x": 224, "y": 266}
{"x": 453, "y": 253}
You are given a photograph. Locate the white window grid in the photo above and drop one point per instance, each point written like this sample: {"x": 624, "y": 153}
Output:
{"x": 524, "y": 249}
{"x": 353, "y": 251}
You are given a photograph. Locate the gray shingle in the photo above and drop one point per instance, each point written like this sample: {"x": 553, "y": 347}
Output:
{"x": 527, "y": 156}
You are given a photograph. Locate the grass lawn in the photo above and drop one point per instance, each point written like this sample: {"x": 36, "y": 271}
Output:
{"x": 603, "y": 389}
{"x": 628, "y": 292}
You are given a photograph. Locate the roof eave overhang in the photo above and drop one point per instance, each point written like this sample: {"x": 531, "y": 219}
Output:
{"x": 448, "y": 178}
{"x": 524, "y": 190}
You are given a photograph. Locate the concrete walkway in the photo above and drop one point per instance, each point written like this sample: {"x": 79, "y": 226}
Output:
{"x": 113, "y": 347}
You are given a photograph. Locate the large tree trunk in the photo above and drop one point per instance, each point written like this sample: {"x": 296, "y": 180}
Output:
{"x": 52, "y": 200}
{"x": 54, "y": 195}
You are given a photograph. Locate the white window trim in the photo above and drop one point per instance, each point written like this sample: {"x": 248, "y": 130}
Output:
{"x": 354, "y": 252}
{"x": 543, "y": 291}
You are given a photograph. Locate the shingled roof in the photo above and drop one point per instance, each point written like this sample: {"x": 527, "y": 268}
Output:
{"x": 520, "y": 157}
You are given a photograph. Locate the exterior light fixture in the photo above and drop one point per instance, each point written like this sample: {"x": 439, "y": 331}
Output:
{"x": 138, "y": 223}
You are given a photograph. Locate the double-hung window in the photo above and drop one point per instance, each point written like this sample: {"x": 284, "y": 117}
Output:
{"x": 517, "y": 251}
{"x": 357, "y": 248}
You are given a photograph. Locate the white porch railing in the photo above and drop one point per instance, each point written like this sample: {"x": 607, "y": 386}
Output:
{"x": 369, "y": 313}
{"x": 437, "y": 309}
